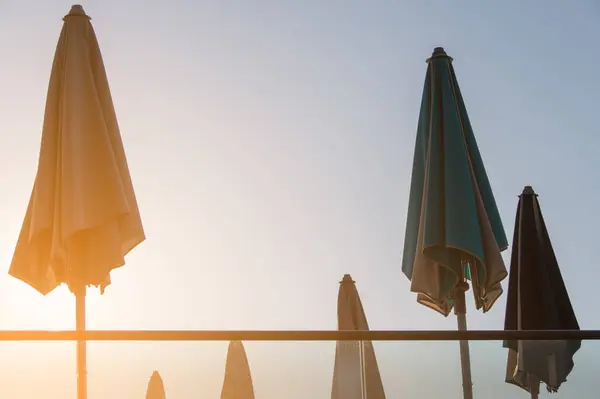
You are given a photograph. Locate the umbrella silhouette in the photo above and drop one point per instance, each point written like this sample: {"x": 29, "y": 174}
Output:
{"x": 237, "y": 383}
{"x": 537, "y": 300}
{"x": 156, "y": 388}
{"x": 82, "y": 218}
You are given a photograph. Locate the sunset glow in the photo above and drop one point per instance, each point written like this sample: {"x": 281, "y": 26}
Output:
{"x": 270, "y": 148}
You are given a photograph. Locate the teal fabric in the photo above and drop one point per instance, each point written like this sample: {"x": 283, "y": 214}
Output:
{"x": 445, "y": 153}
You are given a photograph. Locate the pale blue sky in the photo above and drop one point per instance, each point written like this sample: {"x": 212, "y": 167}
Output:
{"x": 270, "y": 146}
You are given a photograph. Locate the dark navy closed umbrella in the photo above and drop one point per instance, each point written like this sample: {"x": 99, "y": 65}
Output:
{"x": 537, "y": 300}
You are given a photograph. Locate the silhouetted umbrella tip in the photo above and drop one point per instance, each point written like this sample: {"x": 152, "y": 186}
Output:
{"x": 528, "y": 190}
{"x": 347, "y": 279}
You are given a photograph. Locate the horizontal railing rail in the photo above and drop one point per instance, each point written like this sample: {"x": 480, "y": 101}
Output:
{"x": 300, "y": 335}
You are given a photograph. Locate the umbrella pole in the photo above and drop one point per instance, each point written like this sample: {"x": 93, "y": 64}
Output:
{"x": 460, "y": 310}
{"x": 363, "y": 377}
{"x": 81, "y": 345}
{"x": 535, "y": 387}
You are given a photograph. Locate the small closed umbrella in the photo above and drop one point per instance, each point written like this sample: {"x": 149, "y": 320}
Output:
{"x": 453, "y": 230}
{"x": 537, "y": 300}
{"x": 82, "y": 217}
{"x": 356, "y": 373}
{"x": 156, "y": 388}
{"x": 237, "y": 383}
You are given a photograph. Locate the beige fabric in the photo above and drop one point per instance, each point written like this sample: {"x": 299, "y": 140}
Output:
{"x": 82, "y": 217}
{"x": 353, "y": 357}
{"x": 427, "y": 274}
{"x": 156, "y": 389}
{"x": 347, "y": 375}
{"x": 488, "y": 293}
{"x": 237, "y": 383}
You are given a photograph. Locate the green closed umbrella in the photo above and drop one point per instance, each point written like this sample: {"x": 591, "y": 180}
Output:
{"x": 453, "y": 231}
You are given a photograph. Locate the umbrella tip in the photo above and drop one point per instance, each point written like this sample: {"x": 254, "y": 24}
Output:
{"x": 439, "y": 52}
{"x": 76, "y": 11}
{"x": 528, "y": 190}
{"x": 347, "y": 279}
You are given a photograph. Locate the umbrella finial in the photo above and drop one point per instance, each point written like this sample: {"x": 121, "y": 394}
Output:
{"x": 77, "y": 11}
{"x": 439, "y": 52}
{"x": 528, "y": 190}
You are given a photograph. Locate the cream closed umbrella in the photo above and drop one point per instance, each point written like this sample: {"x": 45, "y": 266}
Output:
{"x": 355, "y": 374}
{"x": 82, "y": 218}
{"x": 237, "y": 383}
{"x": 156, "y": 388}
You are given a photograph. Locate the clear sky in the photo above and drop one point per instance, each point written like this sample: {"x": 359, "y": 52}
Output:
{"x": 270, "y": 146}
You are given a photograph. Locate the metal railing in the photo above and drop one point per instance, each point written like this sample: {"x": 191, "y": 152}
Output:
{"x": 298, "y": 335}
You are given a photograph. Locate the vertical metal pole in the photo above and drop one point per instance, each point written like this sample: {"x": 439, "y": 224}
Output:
{"x": 363, "y": 377}
{"x": 81, "y": 345}
{"x": 460, "y": 310}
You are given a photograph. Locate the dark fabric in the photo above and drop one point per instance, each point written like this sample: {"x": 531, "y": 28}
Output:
{"x": 544, "y": 301}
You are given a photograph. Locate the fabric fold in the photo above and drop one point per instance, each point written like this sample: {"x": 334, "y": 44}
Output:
{"x": 82, "y": 218}
{"x": 453, "y": 228}
{"x": 537, "y": 300}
